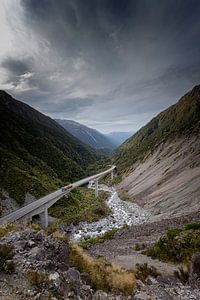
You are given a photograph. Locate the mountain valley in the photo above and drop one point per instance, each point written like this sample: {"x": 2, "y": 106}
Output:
{"x": 100, "y": 150}
{"x": 158, "y": 171}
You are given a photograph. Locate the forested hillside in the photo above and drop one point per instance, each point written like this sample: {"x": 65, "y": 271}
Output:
{"x": 36, "y": 154}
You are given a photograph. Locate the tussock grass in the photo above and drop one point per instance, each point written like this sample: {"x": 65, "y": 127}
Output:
{"x": 35, "y": 226}
{"x": 5, "y": 229}
{"x": 36, "y": 278}
{"x": 59, "y": 236}
{"x": 103, "y": 275}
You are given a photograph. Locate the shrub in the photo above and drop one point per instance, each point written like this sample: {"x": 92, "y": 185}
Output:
{"x": 86, "y": 243}
{"x": 6, "y": 254}
{"x": 176, "y": 245}
{"x": 123, "y": 195}
{"x": 193, "y": 226}
{"x": 126, "y": 226}
{"x": 9, "y": 267}
{"x": 139, "y": 247}
{"x": 80, "y": 205}
{"x": 142, "y": 271}
{"x": 173, "y": 232}
{"x": 103, "y": 275}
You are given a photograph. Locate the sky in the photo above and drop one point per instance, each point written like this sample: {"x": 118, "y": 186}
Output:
{"x": 109, "y": 64}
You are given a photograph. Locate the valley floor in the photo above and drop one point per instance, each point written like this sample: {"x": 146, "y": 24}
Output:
{"x": 120, "y": 250}
{"x": 142, "y": 228}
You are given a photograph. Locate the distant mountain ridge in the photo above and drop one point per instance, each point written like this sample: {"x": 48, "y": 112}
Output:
{"x": 117, "y": 138}
{"x": 86, "y": 134}
{"x": 36, "y": 154}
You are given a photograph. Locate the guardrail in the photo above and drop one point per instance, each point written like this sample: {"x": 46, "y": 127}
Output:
{"x": 40, "y": 206}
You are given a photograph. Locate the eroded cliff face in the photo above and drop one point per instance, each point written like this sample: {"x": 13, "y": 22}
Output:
{"x": 168, "y": 180}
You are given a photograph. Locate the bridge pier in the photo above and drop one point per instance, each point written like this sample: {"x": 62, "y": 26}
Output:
{"x": 112, "y": 175}
{"x": 44, "y": 218}
{"x": 96, "y": 188}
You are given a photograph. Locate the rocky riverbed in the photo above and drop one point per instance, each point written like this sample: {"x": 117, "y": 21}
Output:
{"x": 123, "y": 213}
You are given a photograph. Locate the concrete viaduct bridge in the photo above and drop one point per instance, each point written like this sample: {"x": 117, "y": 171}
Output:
{"x": 40, "y": 206}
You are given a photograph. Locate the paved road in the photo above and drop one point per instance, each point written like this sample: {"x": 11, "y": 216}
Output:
{"x": 39, "y": 206}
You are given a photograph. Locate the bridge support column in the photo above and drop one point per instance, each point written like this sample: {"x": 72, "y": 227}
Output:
{"x": 112, "y": 175}
{"x": 96, "y": 188}
{"x": 44, "y": 218}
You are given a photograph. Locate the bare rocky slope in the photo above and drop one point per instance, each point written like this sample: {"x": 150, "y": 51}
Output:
{"x": 168, "y": 181}
{"x": 160, "y": 164}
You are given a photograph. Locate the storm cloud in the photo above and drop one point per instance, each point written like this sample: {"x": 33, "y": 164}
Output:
{"x": 110, "y": 64}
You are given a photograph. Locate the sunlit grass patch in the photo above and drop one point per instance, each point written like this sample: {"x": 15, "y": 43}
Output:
{"x": 5, "y": 229}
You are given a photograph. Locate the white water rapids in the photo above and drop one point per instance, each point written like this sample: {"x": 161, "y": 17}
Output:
{"x": 122, "y": 213}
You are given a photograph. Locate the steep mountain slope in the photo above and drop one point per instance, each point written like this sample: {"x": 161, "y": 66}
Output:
{"x": 162, "y": 160}
{"x": 179, "y": 119}
{"x": 117, "y": 138}
{"x": 87, "y": 135}
{"x": 36, "y": 154}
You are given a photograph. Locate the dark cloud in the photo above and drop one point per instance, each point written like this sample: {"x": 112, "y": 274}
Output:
{"x": 70, "y": 107}
{"x": 15, "y": 66}
{"x": 112, "y": 64}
